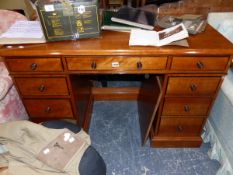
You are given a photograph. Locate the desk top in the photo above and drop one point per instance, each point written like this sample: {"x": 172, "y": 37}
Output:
{"x": 116, "y": 43}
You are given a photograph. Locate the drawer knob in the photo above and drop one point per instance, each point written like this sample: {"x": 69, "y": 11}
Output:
{"x": 41, "y": 88}
{"x": 93, "y": 65}
{"x": 179, "y": 128}
{"x": 48, "y": 109}
{"x": 139, "y": 65}
{"x": 193, "y": 87}
{"x": 186, "y": 108}
{"x": 200, "y": 65}
{"x": 33, "y": 66}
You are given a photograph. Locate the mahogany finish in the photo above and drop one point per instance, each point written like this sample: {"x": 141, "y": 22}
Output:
{"x": 115, "y": 93}
{"x": 199, "y": 63}
{"x": 208, "y": 43}
{"x": 170, "y": 126}
{"x": 115, "y": 63}
{"x": 48, "y": 108}
{"x": 148, "y": 102}
{"x": 34, "y": 64}
{"x": 55, "y": 80}
{"x": 186, "y": 106}
{"x": 81, "y": 88}
{"x": 42, "y": 86}
{"x": 193, "y": 85}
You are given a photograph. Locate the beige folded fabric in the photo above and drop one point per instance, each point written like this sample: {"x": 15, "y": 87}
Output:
{"x": 26, "y": 140}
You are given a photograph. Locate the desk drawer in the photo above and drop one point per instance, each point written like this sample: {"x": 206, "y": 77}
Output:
{"x": 42, "y": 86}
{"x": 186, "y": 106}
{"x": 150, "y": 63}
{"x": 57, "y": 108}
{"x": 116, "y": 63}
{"x": 34, "y": 64}
{"x": 199, "y": 63}
{"x": 172, "y": 126}
{"x": 192, "y": 85}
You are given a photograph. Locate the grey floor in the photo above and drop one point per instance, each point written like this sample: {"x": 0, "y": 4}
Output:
{"x": 115, "y": 134}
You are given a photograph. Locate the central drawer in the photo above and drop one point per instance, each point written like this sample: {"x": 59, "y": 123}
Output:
{"x": 48, "y": 108}
{"x": 186, "y": 106}
{"x": 42, "y": 86}
{"x": 115, "y": 63}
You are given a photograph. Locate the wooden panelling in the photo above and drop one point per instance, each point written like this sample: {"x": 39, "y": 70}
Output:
{"x": 115, "y": 94}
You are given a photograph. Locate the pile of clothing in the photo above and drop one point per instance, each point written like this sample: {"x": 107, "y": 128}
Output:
{"x": 28, "y": 148}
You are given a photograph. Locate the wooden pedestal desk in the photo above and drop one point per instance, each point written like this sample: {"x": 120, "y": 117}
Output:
{"x": 54, "y": 81}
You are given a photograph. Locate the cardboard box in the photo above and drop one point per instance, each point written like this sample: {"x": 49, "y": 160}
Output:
{"x": 69, "y": 20}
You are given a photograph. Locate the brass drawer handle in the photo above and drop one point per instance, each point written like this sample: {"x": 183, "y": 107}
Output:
{"x": 93, "y": 65}
{"x": 200, "y": 65}
{"x": 193, "y": 87}
{"x": 179, "y": 128}
{"x": 186, "y": 108}
{"x": 48, "y": 109}
{"x": 139, "y": 65}
{"x": 33, "y": 66}
{"x": 41, "y": 88}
